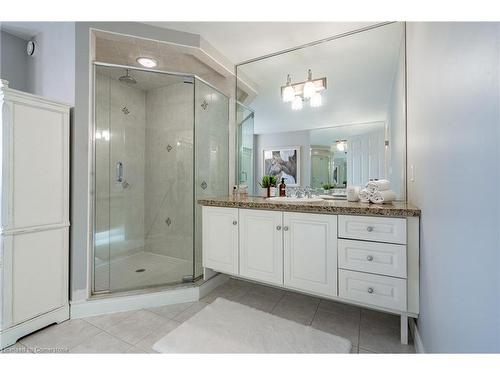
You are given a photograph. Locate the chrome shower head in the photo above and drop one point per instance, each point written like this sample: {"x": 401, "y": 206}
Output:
{"x": 127, "y": 78}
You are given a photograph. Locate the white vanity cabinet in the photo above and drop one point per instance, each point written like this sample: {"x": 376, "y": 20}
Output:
{"x": 34, "y": 253}
{"x": 261, "y": 245}
{"x": 310, "y": 252}
{"x": 220, "y": 239}
{"x": 369, "y": 261}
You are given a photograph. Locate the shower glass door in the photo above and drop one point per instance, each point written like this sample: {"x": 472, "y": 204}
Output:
{"x": 211, "y": 109}
{"x": 144, "y": 163}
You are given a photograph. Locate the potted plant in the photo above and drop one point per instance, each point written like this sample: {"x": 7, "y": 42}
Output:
{"x": 267, "y": 183}
{"x": 326, "y": 188}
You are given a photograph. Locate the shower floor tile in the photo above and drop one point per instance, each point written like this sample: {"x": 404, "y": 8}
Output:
{"x": 121, "y": 274}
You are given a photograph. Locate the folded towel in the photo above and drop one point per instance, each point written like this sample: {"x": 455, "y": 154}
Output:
{"x": 364, "y": 196}
{"x": 385, "y": 196}
{"x": 379, "y": 185}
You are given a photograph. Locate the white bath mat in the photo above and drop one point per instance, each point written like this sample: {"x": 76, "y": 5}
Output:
{"x": 229, "y": 327}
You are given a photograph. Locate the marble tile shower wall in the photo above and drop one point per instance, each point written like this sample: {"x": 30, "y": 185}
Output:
{"x": 121, "y": 128}
{"x": 169, "y": 171}
{"x": 123, "y": 50}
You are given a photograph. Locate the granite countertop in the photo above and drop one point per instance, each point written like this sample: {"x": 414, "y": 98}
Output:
{"x": 336, "y": 207}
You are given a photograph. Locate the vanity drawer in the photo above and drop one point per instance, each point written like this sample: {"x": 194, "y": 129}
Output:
{"x": 375, "y": 257}
{"x": 382, "y": 229}
{"x": 382, "y": 291}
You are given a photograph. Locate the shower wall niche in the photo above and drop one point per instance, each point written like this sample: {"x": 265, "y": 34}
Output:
{"x": 160, "y": 143}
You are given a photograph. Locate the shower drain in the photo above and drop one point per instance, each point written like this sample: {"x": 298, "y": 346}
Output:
{"x": 140, "y": 270}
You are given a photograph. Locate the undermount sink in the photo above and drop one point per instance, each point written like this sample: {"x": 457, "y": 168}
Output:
{"x": 295, "y": 200}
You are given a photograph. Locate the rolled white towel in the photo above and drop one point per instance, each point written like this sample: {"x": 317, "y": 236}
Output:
{"x": 385, "y": 196}
{"x": 364, "y": 196}
{"x": 379, "y": 185}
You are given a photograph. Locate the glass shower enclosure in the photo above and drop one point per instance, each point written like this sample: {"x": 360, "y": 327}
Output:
{"x": 160, "y": 144}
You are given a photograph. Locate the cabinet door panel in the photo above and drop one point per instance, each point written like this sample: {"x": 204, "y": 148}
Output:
{"x": 39, "y": 167}
{"x": 310, "y": 252}
{"x": 261, "y": 245}
{"x": 39, "y": 273}
{"x": 220, "y": 239}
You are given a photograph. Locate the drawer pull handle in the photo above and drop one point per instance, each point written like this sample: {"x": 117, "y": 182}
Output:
{"x": 278, "y": 227}
{"x": 369, "y": 229}
{"x": 370, "y": 290}
{"x": 235, "y": 222}
{"x": 369, "y": 258}
{"x": 285, "y": 228}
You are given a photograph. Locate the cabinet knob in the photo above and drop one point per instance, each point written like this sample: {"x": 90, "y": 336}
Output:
{"x": 369, "y": 258}
{"x": 285, "y": 228}
{"x": 369, "y": 229}
{"x": 278, "y": 227}
{"x": 235, "y": 222}
{"x": 370, "y": 290}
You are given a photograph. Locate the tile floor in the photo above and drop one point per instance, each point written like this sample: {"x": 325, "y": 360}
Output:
{"x": 137, "y": 331}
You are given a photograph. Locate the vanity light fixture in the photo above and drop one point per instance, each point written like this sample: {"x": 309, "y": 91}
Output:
{"x": 147, "y": 62}
{"x": 297, "y": 103}
{"x": 341, "y": 145}
{"x": 309, "y": 88}
{"x": 288, "y": 92}
{"x": 306, "y": 91}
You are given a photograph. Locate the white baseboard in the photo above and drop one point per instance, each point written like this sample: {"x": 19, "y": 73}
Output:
{"x": 108, "y": 305}
{"x": 419, "y": 345}
{"x": 9, "y": 336}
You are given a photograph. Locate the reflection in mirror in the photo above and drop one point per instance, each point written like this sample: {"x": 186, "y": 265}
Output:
{"x": 244, "y": 118}
{"x": 338, "y": 106}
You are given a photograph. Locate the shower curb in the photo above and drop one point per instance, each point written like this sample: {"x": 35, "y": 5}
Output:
{"x": 108, "y": 305}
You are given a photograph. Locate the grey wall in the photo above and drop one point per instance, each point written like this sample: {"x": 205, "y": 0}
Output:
{"x": 453, "y": 109}
{"x": 13, "y": 61}
{"x": 51, "y": 70}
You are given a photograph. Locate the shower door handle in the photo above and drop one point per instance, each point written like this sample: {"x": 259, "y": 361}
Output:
{"x": 119, "y": 172}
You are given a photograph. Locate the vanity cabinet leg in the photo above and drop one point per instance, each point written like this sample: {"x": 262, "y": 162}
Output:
{"x": 404, "y": 329}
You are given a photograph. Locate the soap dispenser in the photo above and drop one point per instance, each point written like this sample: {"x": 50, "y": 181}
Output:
{"x": 282, "y": 188}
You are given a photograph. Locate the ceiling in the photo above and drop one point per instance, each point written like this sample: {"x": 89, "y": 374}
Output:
{"x": 360, "y": 71}
{"x": 241, "y": 41}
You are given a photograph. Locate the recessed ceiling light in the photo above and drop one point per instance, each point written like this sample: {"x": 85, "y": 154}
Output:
{"x": 147, "y": 62}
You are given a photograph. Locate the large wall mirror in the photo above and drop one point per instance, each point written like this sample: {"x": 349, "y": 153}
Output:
{"x": 331, "y": 113}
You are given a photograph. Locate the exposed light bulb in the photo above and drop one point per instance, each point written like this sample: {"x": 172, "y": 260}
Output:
{"x": 309, "y": 88}
{"x": 297, "y": 103}
{"x": 288, "y": 94}
{"x": 316, "y": 100}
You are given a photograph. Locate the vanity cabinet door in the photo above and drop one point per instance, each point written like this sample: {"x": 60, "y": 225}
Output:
{"x": 261, "y": 245}
{"x": 220, "y": 239}
{"x": 310, "y": 252}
